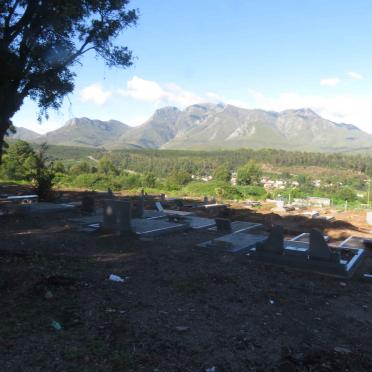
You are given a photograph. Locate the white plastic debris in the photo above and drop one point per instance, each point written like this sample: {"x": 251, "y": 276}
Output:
{"x": 116, "y": 278}
{"x": 211, "y": 369}
{"x": 272, "y": 302}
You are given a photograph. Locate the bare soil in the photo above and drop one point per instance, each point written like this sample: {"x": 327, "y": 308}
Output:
{"x": 181, "y": 308}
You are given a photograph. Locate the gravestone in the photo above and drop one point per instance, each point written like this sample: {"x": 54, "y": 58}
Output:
{"x": 179, "y": 203}
{"x": 369, "y": 218}
{"x": 138, "y": 209}
{"x": 117, "y": 215}
{"x": 319, "y": 249}
{"x": 274, "y": 243}
{"x": 223, "y": 225}
{"x": 159, "y": 207}
{"x": 110, "y": 194}
{"x": 88, "y": 205}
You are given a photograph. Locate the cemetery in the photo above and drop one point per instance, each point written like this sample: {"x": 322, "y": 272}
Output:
{"x": 189, "y": 274}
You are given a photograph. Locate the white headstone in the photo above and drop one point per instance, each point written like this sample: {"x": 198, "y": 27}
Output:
{"x": 369, "y": 218}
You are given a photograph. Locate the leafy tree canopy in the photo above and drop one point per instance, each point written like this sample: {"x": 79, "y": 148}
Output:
{"x": 249, "y": 174}
{"x": 221, "y": 173}
{"x": 41, "y": 40}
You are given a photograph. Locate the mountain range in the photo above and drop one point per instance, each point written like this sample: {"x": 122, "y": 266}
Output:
{"x": 211, "y": 126}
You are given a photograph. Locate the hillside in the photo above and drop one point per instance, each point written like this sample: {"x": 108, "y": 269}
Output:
{"x": 24, "y": 134}
{"x": 211, "y": 126}
{"x": 86, "y": 132}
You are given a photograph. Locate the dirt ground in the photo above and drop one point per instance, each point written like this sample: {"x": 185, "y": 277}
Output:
{"x": 181, "y": 308}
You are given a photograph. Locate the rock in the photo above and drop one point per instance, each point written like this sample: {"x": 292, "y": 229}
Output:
{"x": 341, "y": 349}
{"x": 182, "y": 329}
{"x": 48, "y": 295}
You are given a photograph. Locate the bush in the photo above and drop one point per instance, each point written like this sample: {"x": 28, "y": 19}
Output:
{"x": 221, "y": 173}
{"x": 42, "y": 174}
{"x": 228, "y": 192}
{"x": 249, "y": 174}
{"x": 253, "y": 192}
{"x": 179, "y": 178}
{"x": 148, "y": 180}
{"x": 346, "y": 194}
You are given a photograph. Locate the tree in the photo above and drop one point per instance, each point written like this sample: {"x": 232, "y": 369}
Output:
{"x": 346, "y": 193}
{"x": 106, "y": 166}
{"x": 249, "y": 174}
{"x": 79, "y": 168}
{"x": 149, "y": 180}
{"x": 43, "y": 173}
{"x": 40, "y": 42}
{"x": 180, "y": 178}
{"x": 19, "y": 161}
{"x": 221, "y": 173}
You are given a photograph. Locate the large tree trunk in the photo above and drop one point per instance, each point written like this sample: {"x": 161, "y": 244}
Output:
{"x": 10, "y": 103}
{"x": 5, "y": 123}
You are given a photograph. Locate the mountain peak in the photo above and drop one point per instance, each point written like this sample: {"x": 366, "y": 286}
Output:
{"x": 211, "y": 126}
{"x": 304, "y": 112}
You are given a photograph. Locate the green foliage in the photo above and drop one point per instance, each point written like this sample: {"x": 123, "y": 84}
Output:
{"x": 19, "y": 161}
{"x": 253, "y": 192}
{"x": 43, "y": 174}
{"x": 179, "y": 178}
{"x": 347, "y": 194}
{"x": 42, "y": 40}
{"x": 221, "y": 173}
{"x": 249, "y": 174}
{"x": 79, "y": 168}
{"x": 228, "y": 192}
{"x": 170, "y": 171}
{"x": 203, "y": 188}
{"x": 106, "y": 166}
{"x": 59, "y": 167}
{"x": 148, "y": 180}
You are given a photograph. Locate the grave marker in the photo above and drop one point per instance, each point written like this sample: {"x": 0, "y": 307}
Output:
{"x": 319, "y": 249}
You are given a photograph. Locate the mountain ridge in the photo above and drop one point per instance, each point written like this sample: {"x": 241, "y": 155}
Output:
{"x": 214, "y": 126}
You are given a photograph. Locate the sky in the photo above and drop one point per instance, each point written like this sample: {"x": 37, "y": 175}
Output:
{"x": 266, "y": 54}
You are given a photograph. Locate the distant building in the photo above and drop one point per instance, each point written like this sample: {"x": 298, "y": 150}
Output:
{"x": 318, "y": 202}
{"x": 312, "y": 201}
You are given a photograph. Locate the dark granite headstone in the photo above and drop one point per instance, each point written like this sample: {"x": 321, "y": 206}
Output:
{"x": 319, "y": 249}
{"x": 223, "y": 225}
{"x": 88, "y": 205}
{"x": 117, "y": 215}
{"x": 274, "y": 243}
{"x": 139, "y": 207}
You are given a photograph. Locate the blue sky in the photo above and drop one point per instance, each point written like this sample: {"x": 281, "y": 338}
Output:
{"x": 265, "y": 54}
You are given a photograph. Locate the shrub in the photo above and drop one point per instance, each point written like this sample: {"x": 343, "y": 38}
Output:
{"x": 221, "y": 173}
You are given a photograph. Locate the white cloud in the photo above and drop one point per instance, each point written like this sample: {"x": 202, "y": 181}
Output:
{"x": 95, "y": 93}
{"x": 354, "y": 75}
{"x": 331, "y": 82}
{"x": 349, "y": 109}
{"x": 151, "y": 91}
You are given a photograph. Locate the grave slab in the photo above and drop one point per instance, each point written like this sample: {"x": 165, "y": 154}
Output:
{"x": 305, "y": 238}
{"x": 42, "y": 208}
{"x": 151, "y": 228}
{"x": 234, "y": 242}
{"x": 199, "y": 223}
{"x": 240, "y": 226}
{"x": 352, "y": 242}
{"x": 147, "y": 228}
{"x": 315, "y": 256}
